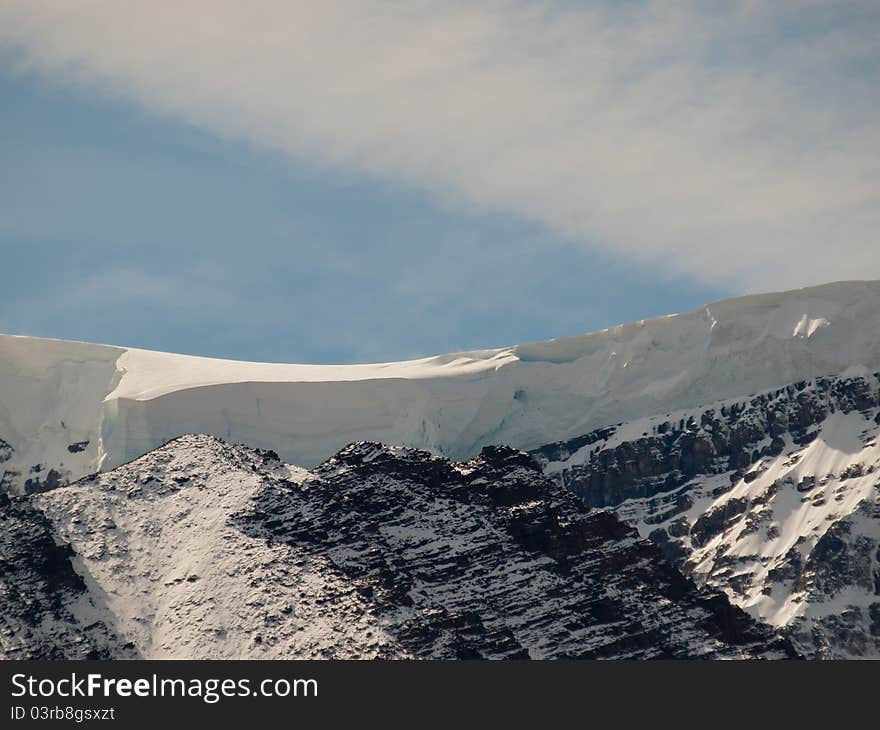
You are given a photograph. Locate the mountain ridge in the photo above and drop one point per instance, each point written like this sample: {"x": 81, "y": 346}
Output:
{"x": 202, "y": 549}
{"x": 773, "y": 498}
{"x": 69, "y": 408}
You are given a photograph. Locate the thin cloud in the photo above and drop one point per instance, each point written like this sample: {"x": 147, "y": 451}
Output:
{"x": 735, "y": 142}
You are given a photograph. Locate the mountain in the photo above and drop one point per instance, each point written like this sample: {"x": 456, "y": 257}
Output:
{"x": 202, "y": 549}
{"x": 773, "y": 498}
{"x": 740, "y": 441}
{"x": 69, "y": 408}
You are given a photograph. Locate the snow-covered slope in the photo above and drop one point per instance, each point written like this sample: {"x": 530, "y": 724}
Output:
{"x": 68, "y": 408}
{"x": 202, "y": 549}
{"x": 774, "y": 498}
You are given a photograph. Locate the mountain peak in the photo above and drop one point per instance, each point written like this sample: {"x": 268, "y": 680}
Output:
{"x": 385, "y": 552}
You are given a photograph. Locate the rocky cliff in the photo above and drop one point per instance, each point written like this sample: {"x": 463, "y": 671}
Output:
{"x": 774, "y": 499}
{"x": 202, "y": 549}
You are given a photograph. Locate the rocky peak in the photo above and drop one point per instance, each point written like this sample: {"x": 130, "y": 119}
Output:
{"x": 203, "y": 549}
{"x": 487, "y": 558}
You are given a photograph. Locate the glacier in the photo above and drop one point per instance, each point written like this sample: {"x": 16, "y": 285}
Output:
{"x": 68, "y": 409}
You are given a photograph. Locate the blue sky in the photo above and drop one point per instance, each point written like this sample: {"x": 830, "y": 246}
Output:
{"x": 221, "y": 202}
{"x": 130, "y": 229}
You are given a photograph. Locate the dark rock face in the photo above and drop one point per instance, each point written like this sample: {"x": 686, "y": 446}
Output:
{"x": 38, "y": 479}
{"x": 716, "y": 520}
{"x": 488, "y": 559}
{"x": 38, "y": 484}
{"x": 719, "y": 440}
{"x": 840, "y": 560}
{"x": 774, "y": 499}
{"x": 6, "y": 476}
{"x": 39, "y": 592}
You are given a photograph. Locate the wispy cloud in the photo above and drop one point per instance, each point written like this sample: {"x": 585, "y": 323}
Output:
{"x": 736, "y": 142}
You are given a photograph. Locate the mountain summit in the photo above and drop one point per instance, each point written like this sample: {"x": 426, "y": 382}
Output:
{"x": 68, "y": 408}
{"x": 719, "y": 469}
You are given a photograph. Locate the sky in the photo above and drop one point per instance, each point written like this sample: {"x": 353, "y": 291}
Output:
{"x": 361, "y": 181}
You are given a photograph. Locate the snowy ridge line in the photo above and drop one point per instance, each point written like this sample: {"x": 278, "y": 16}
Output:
{"x": 557, "y": 457}
{"x": 70, "y": 408}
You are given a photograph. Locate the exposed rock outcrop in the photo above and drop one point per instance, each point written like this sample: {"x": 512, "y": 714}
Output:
{"x": 773, "y": 499}
{"x": 46, "y": 609}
